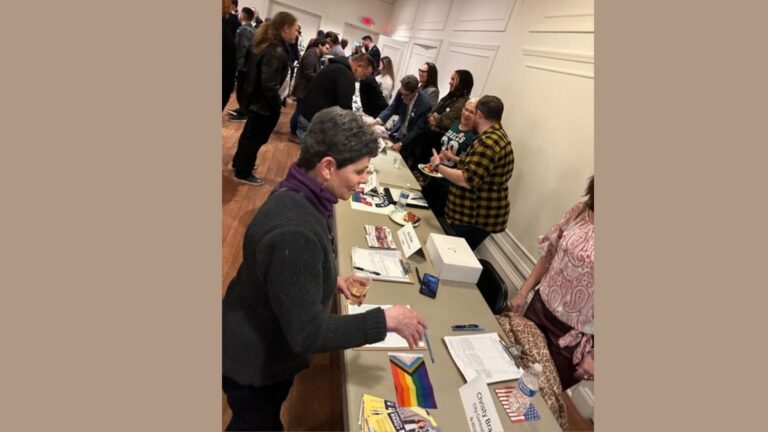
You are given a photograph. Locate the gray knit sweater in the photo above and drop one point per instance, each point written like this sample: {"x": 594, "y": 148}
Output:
{"x": 277, "y": 308}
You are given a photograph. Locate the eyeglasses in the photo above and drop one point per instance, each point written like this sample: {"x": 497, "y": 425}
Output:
{"x": 423, "y": 71}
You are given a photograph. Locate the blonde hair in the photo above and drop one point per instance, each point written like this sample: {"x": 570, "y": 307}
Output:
{"x": 270, "y": 32}
{"x": 387, "y": 68}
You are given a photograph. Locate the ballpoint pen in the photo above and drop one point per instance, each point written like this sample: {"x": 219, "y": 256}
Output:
{"x": 466, "y": 327}
{"x": 375, "y": 273}
{"x": 418, "y": 275}
{"x": 429, "y": 347}
{"x": 469, "y": 329}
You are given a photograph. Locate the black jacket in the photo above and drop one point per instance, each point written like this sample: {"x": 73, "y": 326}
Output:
{"x": 371, "y": 97}
{"x": 308, "y": 68}
{"x": 375, "y": 54}
{"x": 277, "y": 309}
{"x": 334, "y": 85}
{"x": 266, "y": 72}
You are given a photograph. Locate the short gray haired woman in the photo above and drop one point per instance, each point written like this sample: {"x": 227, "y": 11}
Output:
{"x": 276, "y": 311}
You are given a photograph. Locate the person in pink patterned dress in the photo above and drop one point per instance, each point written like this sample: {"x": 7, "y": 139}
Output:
{"x": 563, "y": 305}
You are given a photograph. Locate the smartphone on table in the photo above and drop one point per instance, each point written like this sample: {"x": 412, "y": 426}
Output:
{"x": 429, "y": 285}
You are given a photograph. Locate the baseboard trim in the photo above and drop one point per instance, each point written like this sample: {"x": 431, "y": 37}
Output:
{"x": 509, "y": 257}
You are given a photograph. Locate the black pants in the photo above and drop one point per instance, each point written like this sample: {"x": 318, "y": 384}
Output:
{"x": 472, "y": 234}
{"x": 240, "y": 87}
{"x": 256, "y": 408}
{"x": 435, "y": 191}
{"x": 255, "y": 133}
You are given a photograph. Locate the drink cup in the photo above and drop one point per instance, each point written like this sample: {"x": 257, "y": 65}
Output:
{"x": 358, "y": 287}
{"x": 403, "y": 199}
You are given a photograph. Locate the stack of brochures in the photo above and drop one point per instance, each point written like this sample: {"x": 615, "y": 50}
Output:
{"x": 379, "y": 236}
{"x": 380, "y": 415}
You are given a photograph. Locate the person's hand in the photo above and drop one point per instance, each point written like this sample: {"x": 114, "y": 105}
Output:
{"x": 372, "y": 121}
{"x": 432, "y": 119}
{"x": 586, "y": 369}
{"x": 342, "y": 286}
{"x": 517, "y": 303}
{"x": 435, "y": 160}
{"x": 396, "y": 146}
{"x": 447, "y": 154}
{"x": 405, "y": 322}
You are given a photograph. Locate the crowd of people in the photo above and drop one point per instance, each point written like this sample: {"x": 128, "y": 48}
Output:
{"x": 277, "y": 308}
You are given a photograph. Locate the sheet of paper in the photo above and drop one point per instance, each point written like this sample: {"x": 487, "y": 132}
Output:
{"x": 415, "y": 199}
{"x": 370, "y": 184}
{"x": 408, "y": 240}
{"x": 392, "y": 340}
{"x": 385, "y": 262}
{"x": 479, "y": 408}
{"x": 482, "y": 355}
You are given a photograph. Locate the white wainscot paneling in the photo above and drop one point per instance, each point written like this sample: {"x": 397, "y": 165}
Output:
{"x": 432, "y": 14}
{"x": 509, "y": 257}
{"x": 575, "y": 63}
{"x": 484, "y": 15}
{"x": 404, "y": 15}
{"x": 567, "y": 16}
{"x": 476, "y": 58}
{"x": 309, "y": 18}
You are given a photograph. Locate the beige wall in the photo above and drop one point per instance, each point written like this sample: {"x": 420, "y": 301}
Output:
{"x": 538, "y": 57}
{"x": 333, "y": 13}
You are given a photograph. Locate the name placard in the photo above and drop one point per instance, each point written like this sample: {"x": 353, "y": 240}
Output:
{"x": 479, "y": 407}
{"x": 408, "y": 240}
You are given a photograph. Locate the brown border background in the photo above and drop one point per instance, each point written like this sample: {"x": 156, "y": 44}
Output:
{"x": 111, "y": 216}
{"x": 110, "y": 308}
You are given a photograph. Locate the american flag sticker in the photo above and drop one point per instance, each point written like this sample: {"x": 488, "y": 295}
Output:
{"x": 530, "y": 414}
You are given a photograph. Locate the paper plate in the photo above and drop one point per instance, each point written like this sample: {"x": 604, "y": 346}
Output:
{"x": 426, "y": 169}
{"x": 398, "y": 217}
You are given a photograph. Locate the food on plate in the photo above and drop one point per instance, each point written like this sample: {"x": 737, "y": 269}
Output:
{"x": 411, "y": 217}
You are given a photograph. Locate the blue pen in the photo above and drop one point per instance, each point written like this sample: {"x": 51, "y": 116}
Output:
{"x": 473, "y": 329}
{"x": 466, "y": 327}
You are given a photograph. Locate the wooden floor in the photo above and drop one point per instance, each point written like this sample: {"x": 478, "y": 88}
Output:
{"x": 315, "y": 402}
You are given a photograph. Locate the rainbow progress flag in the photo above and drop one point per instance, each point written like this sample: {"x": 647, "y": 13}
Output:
{"x": 412, "y": 384}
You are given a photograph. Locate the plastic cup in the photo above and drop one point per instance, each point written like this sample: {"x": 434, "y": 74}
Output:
{"x": 358, "y": 289}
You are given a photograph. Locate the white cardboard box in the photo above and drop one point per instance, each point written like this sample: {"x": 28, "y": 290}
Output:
{"x": 453, "y": 259}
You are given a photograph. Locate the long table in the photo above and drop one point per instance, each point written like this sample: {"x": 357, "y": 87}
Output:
{"x": 367, "y": 371}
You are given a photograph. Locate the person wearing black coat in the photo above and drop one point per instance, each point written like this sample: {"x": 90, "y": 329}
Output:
{"x": 372, "y": 50}
{"x": 228, "y": 62}
{"x": 266, "y": 71}
{"x": 371, "y": 97}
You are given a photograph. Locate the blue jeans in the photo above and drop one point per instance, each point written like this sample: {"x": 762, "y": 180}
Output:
{"x": 302, "y": 126}
{"x": 295, "y": 117}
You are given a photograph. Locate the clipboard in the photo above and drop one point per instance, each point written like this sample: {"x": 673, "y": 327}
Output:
{"x": 389, "y": 256}
{"x": 383, "y": 345}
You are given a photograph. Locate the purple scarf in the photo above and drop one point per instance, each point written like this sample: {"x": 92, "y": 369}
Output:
{"x": 299, "y": 181}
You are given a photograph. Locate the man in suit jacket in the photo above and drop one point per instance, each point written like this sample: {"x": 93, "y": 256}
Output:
{"x": 372, "y": 50}
{"x": 412, "y": 108}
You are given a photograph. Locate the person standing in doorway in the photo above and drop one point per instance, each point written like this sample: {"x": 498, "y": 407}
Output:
{"x": 372, "y": 50}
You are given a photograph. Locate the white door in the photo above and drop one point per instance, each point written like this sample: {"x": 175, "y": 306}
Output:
{"x": 420, "y": 54}
{"x": 396, "y": 50}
